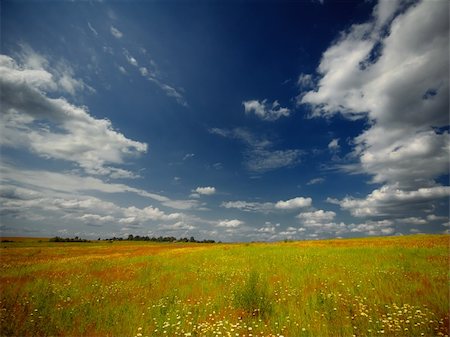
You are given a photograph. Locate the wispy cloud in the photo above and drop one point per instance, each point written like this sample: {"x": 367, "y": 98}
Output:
{"x": 85, "y": 209}
{"x": 266, "y": 207}
{"x": 259, "y": 155}
{"x": 130, "y": 59}
{"x": 261, "y": 161}
{"x": 188, "y": 156}
{"x": 66, "y": 183}
{"x": 247, "y": 206}
{"x": 305, "y": 81}
{"x": 153, "y": 77}
{"x": 315, "y": 181}
{"x": 122, "y": 70}
{"x": 116, "y": 33}
{"x": 266, "y": 111}
{"x": 92, "y": 29}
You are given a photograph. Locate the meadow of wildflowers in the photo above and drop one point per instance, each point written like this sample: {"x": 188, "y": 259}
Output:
{"x": 396, "y": 286}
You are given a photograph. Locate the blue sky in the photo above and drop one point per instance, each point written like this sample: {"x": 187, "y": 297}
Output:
{"x": 233, "y": 121}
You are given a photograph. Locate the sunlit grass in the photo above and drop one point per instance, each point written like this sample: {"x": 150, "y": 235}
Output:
{"x": 363, "y": 287}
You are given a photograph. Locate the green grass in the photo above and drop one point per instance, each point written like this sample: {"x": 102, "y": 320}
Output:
{"x": 362, "y": 287}
{"x": 253, "y": 296}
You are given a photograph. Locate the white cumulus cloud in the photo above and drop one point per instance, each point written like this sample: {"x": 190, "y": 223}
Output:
{"x": 316, "y": 217}
{"x": 334, "y": 145}
{"x": 53, "y": 127}
{"x": 207, "y": 190}
{"x": 230, "y": 223}
{"x": 393, "y": 71}
{"x": 390, "y": 200}
{"x": 298, "y": 202}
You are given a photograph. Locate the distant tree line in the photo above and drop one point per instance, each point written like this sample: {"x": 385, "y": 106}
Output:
{"x": 134, "y": 238}
{"x": 75, "y": 239}
{"x": 159, "y": 239}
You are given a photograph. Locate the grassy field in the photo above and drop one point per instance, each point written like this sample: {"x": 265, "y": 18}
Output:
{"x": 394, "y": 286}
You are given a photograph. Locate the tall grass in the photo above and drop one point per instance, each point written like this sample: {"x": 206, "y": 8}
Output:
{"x": 253, "y": 296}
{"x": 361, "y": 287}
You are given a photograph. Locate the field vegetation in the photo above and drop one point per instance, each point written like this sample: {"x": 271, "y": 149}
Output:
{"x": 394, "y": 286}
